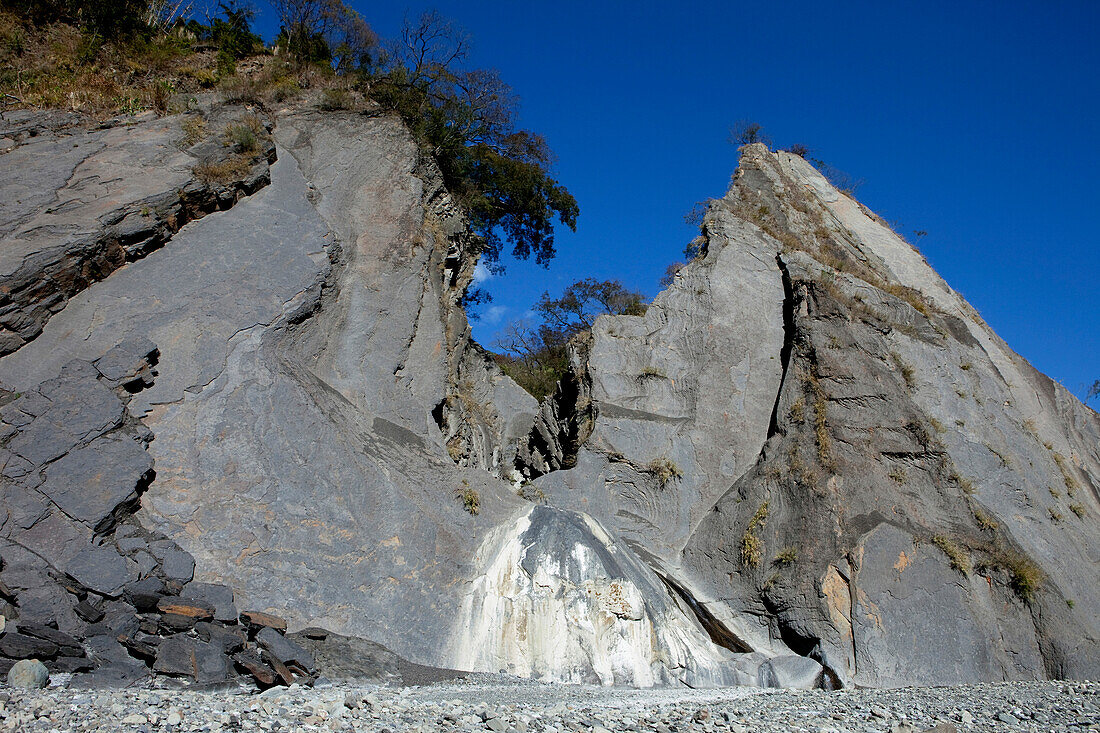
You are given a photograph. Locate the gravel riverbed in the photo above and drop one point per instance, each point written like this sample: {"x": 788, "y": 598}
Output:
{"x": 526, "y": 707}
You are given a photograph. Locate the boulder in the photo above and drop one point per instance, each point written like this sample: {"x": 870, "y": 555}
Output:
{"x": 216, "y": 595}
{"x": 29, "y": 674}
{"x": 285, "y": 650}
{"x": 193, "y": 609}
{"x": 176, "y": 564}
{"x": 251, "y": 663}
{"x": 66, "y": 644}
{"x": 181, "y": 656}
{"x": 145, "y": 594}
{"x": 791, "y": 671}
{"x": 230, "y": 638}
{"x": 261, "y": 620}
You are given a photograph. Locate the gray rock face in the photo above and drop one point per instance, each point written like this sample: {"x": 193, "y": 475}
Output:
{"x": 865, "y": 474}
{"x": 80, "y": 202}
{"x": 809, "y": 464}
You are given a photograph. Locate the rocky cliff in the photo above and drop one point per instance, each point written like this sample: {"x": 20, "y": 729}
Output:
{"x": 831, "y": 452}
{"x": 809, "y": 463}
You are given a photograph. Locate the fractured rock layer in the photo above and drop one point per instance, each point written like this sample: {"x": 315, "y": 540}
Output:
{"x": 809, "y": 463}
{"x": 835, "y": 454}
{"x": 320, "y": 408}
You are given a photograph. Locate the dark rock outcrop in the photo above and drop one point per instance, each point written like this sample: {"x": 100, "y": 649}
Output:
{"x": 85, "y": 589}
{"x": 79, "y": 202}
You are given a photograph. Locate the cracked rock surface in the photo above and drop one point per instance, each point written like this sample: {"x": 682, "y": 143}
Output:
{"x": 832, "y": 453}
{"x": 79, "y": 202}
{"x": 809, "y": 464}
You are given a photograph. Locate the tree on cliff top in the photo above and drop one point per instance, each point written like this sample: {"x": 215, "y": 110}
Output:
{"x": 466, "y": 120}
{"x": 325, "y": 31}
{"x": 537, "y": 356}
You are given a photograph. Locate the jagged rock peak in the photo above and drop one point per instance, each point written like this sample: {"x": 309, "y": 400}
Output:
{"x": 835, "y": 455}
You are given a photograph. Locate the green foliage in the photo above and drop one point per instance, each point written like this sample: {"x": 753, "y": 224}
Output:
{"x": 469, "y": 496}
{"x": 984, "y": 521}
{"x": 670, "y": 274}
{"x": 242, "y": 138}
{"x": 752, "y": 547}
{"x": 324, "y": 32}
{"x": 1025, "y": 577}
{"x": 746, "y": 132}
{"x": 787, "y": 556}
{"x": 107, "y": 18}
{"x": 335, "y": 98}
{"x": 231, "y": 33}
{"x": 1067, "y": 476}
{"x": 797, "y": 412}
{"x": 821, "y": 422}
{"x": 194, "y": 127}
{"x": 537, "y": 356}
{"x": 906, "y": 370}
{"x": 466, "y": 121}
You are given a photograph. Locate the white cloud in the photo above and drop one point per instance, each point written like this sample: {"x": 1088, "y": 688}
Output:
{"x": 481, "y": 273}
{"x": 494, "y": 313}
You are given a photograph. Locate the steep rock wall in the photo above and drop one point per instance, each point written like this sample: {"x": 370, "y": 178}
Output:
{"x": 321, "y": 415}
{"x": 835, "y": 455}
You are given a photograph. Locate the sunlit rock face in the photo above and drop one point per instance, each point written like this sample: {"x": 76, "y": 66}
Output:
{"x": 833, "y": 454}
{"x": 809, "y": 463}
{"x": 560, "y": 600}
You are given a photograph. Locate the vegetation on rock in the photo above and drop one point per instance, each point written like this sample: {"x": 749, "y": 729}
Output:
{"x": 537, "y": 356}
{"x": 664, "y": 470}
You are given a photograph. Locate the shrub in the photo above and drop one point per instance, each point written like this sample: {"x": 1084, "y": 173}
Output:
{"x": 957, "y": 555}
{"x": 821, "y": 424}
{"x": 537, "y": 357}
{"x": 1067, "y": 477}
{"x": 194, "y": 129}
{"x": 1025, "y": 577}
{"x": 335, "y": 98}
{"x": 752, "y": 547}
{"x": 747, "y": 132}
{"x": 664, "y": 470}
{"x": 1078, "y": 509}
{"x": 241, "y": 138}
{"x": 469, "y": 496}
{"x": 984, "y": 521}
{"x": 964, "y": 484}
{"x": 652, "y": 373}
{"x": 787, "y": 556}
{"x": 466, "y": 120}
{"x": 897, "y": 475}
{"x": 225, "y": 171}
{"x": 797, "y": 411}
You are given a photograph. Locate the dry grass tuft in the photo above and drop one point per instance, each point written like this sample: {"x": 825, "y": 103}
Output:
{"x": 959, "y": 559}
{"x": 664, "y": 470}
{"x": 752, "y": 547}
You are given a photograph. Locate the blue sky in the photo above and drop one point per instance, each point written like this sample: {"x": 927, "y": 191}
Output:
{"x": 974, "y": 121}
